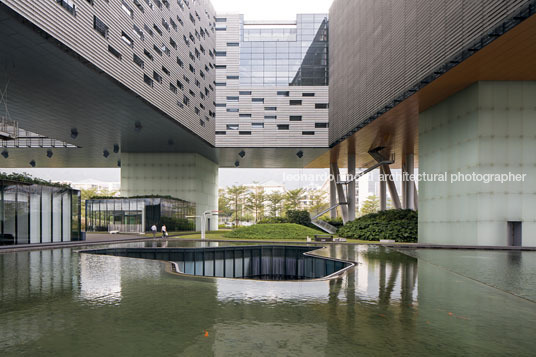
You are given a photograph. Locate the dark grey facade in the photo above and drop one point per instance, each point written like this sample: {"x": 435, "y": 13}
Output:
{"x": 381, "y": 49}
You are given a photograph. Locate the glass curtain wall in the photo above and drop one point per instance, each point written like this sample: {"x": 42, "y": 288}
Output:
{"x": 136, "y": 215}
{"x": 31, "y": 213}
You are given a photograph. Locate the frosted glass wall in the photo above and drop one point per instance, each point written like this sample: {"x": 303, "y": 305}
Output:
{"x": 488, "y": 128}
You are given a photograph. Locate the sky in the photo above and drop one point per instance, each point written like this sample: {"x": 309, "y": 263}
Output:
{"x": 291, "y": 178}
{"x": 272, "y": 9}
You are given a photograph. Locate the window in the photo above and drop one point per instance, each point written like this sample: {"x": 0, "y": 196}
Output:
{"x": 232, "y": 110}
{"x": 138, "y": 61}
{"x": 138, "y": 32}
{"x": 308, "y": 94}
{"x": 166, "y": 25}
{"x": 295, "y": 118}
{"x": 232, "y": 99}
{"x": 100, "y": 27}
{"x": 257, "y": 125}
{"x": 127, "y": 9}
{"x": 186, "y": 100}
{"x": 221, "y": 105}
{"x": 283, "y": 93}
{"x": 233, "y": 44}
{"x": 148, "y": 54}
{"x": 270, "y": 117}
{"x": 221, "y": 19}
{"x": 172, "y": 43}
{"x": 186, "y": 79}
{"x": 149, "y": 3}
{"x": 192, "y": 69}
{"x": 283, "y": 127}
{"x": 180, "y": 63}
{"x": 158, "y": 3}
{"x": 147, "y": 80}
{"x": 221, "y": 84}
{"x": 180, "y": 104}
{"x": 173, "y": 24}
{"x": 257, "y": 100}
{"x": 157, "y": 29}
{"x": 244, "y": 115}
{"x": 139, "y": 6}
{"x": 232, "y": 126}
{"x": 114, "y": 52}
{"x": 221, "y": 28}
{"x": 244, "y": 133}
{"x": 308, "y": 133}
{"x": 157, "y": 77}
{"x": 201, "y": 122}
{"x": 221, "y": 66}
{"x": 173, "y": 88}
{"x": 233, "y": 77}
{"x": 180, "y": 85}
{"x": 196, "y": 110}
{"x": 270, "y": 108}
{"x": 68, "y": 5}
{"x": 165, "y": 49}
{"x": 127, "y": 39}
{"x": 321, "y": 125}
{"x": 157, "y": 50}
{"x": 148, "y": 30}
{"x": 191, "y": 92}
{"x": 165, "y": 70}
{"x": 244, "y": 92}
{"x": 221, "y": 132}
{"x": 221, "y": 53}
{"x": 321, "y": 106}
{"x": 295, "y": 102}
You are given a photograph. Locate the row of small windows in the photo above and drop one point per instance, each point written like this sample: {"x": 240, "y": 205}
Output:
{"x": 236, "y": 127}
{"x": 261, "y": 100}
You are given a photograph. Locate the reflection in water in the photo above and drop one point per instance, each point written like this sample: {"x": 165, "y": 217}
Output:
{"x": 59, "y": 301}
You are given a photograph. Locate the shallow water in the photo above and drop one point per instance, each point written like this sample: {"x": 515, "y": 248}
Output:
{"x": 60, "y": 302}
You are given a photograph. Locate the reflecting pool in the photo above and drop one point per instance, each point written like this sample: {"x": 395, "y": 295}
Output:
{"x": 60, "y": 302}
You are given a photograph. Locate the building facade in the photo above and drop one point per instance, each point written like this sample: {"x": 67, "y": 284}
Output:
{"x": 271, "y": 80}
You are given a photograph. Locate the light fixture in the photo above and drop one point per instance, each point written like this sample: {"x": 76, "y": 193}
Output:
{"x": 242, "y": 153}
{"x": 116, "y": 148}
{"x": 74, "y": 133}
{"x": 32, "y": 163}
{"x": 118, "y": 163}
{"x": 49, "y": 153}
{"x": 299, "y": 154}
{"x": 137, "y": 126}
{"x": 237, "y": 163}
{"x": 170, "y": 142}
{"x": 105, "y": 153}
{"x": 5, "y": 154}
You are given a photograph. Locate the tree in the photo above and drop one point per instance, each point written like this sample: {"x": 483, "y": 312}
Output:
{"x": 293, "y": 198}
{"x": 276, "y": 199}
{"x": 318, "y": 202}
{"x": 236, "y": 195}
{"x": 371, "y": 205}
{"x": 255, "y": 202}
{"x": 224, "y": 203}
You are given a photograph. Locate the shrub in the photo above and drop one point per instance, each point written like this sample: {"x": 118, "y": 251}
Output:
{"x": 272, "y": 220}
{"x": 177, "y": 224}
{"x": 337, "y": 222}
{"x": 299, "y": 217}
{"x": 399, "y": 224}
{"x": 273, "y": 231}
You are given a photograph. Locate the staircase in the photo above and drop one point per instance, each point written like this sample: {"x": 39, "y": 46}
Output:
{"x": 323, "y": 225}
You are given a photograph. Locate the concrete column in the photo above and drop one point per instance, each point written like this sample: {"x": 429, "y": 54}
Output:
{"x": 383, "y": 192}
{"x": 351, "y": 186}
{"x": 190, "y": 177}
{"x": 386, "y": 170}
{"x": 332, "y": 194}
{"x": 408, "y": 186}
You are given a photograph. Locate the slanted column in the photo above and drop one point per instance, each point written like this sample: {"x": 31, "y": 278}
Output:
{"x": 332, "y": 194}
{"x": 386, "y": 170}
{"x": 340, "y": 192}
{"x": 351, "y": 186}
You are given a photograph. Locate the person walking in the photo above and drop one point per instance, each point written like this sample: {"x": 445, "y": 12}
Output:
{"x": 154, "y": 229}
{"x": 164, "y": 231}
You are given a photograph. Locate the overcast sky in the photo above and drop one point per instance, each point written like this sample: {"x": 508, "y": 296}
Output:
{"x": 272, "y": 9}
{"x": 253, "y": 10}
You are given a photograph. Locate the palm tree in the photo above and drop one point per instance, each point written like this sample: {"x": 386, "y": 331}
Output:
{"x": 275, "y": 199}
{"x": 293, "y": 198}
{"x": 236, "y": 194}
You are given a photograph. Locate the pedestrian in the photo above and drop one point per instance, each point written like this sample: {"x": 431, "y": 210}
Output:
{"x": 164, "y": 231}
{"x": 154, "y": 229}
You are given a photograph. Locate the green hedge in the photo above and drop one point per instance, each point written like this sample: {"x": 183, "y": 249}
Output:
{"x": 399, "y": 224}
{"x": 272, "y": 220}
{"x": 299, "y": 217}
{"x": 273, "y": 231}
